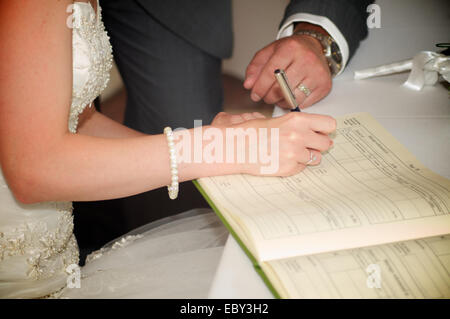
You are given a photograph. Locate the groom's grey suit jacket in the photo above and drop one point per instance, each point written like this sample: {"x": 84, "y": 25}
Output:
{"x": 208, "y": 25}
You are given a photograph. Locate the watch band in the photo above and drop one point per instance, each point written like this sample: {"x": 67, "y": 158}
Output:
{"x": 330, "y": 49}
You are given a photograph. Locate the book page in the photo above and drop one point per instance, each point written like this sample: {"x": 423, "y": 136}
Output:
{"x": 368, "y": 190}
{"x": 411, "y": 269}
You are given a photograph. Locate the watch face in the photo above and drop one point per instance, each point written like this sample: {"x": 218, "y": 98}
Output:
{"x": 335, "y": 52}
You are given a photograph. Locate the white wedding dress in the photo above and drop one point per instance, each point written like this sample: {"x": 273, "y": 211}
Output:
{"x": 172, "y": 258}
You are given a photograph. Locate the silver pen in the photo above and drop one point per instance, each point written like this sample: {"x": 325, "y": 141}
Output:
{"x": 286, "y": 89}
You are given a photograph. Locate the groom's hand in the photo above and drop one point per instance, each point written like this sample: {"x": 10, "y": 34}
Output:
{"x": 303, "y": 60}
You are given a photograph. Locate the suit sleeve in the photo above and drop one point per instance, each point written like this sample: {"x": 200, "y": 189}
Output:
{"x": 344, "y": 20}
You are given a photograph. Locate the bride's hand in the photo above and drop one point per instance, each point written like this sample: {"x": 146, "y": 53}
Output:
{"x": 301, "y": 139}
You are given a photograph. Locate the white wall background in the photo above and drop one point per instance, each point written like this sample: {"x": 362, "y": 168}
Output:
{"x": 255, "y": 24}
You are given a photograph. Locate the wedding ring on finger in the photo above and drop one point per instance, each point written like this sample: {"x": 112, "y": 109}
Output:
{"x": 304, "y": 89}
{"x": 312, "y": 157}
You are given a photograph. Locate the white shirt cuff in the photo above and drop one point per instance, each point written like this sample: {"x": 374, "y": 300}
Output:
{"x": 287, "y": 29}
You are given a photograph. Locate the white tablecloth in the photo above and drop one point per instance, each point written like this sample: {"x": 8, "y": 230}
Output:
{"x": 419, "y": 120}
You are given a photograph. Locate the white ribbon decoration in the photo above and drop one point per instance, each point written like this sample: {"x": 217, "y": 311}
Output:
{"x": 425, "y": 69}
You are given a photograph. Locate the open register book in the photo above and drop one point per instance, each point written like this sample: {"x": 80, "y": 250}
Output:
{"x": 369, "y": 222}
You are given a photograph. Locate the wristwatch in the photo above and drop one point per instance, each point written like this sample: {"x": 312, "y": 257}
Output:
{"x": 330, "y": 49}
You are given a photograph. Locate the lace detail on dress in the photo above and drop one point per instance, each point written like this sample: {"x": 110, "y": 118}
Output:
{"x": 34, "y": 240}
{"x": 92, "y": 59}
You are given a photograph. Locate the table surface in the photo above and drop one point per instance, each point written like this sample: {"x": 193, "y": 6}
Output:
{"x": 419, "y": 120}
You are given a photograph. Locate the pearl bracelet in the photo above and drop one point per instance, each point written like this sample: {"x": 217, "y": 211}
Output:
{"x": 173, "y": 188}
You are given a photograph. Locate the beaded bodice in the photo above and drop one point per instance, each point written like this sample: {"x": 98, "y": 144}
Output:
{"x": 36, "y": 241}
{"x": 92, "y": 59}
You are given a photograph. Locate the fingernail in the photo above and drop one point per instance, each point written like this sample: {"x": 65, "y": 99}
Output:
{"x": 255, "y": 97}
{"x": 247, "y": 84}
{"x": 331, "y": 142}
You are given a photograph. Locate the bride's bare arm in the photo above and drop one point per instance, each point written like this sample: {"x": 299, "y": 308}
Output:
{"x": 39, "y": 157}
{"x": 93, "y": 123}
{"x": 42, "y": 161}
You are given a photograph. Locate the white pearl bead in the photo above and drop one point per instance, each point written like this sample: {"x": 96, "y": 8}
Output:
{"x": 173, "y": 165}
{"x": 173, "y": 195}
{"x": 174, "y": 171}
{"x": 174, "y": 178}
